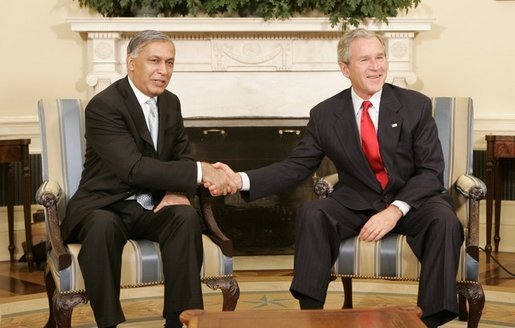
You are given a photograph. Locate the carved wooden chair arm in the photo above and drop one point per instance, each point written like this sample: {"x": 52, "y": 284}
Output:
{"x": 49, "y": 195}
{"x": 325, "y": 185}
{"x": 474, "y": 190}
{"x": 214, "y": 232}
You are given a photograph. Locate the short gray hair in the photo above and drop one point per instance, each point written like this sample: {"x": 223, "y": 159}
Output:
{"x": 140, "y": 40}
{"x": 348, "y": 37}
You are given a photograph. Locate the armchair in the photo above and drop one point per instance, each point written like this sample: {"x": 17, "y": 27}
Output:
{"x": 356, "y": 259}
{"x": 62, "y": 136}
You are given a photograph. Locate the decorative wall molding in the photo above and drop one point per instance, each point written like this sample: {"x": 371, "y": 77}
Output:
{"x": 245, "y": 66}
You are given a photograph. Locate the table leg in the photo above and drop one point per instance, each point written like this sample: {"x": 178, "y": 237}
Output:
{"x": 9, "y": 200}
{"x": 27, "y": 200}
{"x": 490, "y": 182}
{"x": 498, "y": 197}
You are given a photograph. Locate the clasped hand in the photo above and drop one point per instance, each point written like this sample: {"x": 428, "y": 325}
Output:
{"x": 220, "y": 179}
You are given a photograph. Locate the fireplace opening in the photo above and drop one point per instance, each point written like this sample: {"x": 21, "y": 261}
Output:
{"x": 265, "y": 226}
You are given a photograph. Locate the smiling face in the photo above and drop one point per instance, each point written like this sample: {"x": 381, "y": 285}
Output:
{"x": 152, "y": 68}
{"x": 367, "y": 66}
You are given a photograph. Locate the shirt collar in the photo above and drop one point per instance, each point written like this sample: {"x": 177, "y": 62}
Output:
{"x": 357, "y": 101}
{"x": 142, "y": 98}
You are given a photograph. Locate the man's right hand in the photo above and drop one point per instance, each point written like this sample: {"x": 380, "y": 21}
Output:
{"x": 235, "y": 177}
{"x": 217, "y": 181}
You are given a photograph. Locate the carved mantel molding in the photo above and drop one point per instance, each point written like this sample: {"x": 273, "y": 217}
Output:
{"x": 238, "y": 62}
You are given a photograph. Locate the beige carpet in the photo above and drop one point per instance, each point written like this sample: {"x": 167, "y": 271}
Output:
{"x": 143, "y": 306}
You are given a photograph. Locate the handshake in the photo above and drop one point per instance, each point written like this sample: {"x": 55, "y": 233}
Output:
{"x": 220, "y": 179}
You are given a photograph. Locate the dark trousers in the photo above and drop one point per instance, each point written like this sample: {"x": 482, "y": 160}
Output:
{"x": 103, "y": 234}
{"x": 433, "y": 231}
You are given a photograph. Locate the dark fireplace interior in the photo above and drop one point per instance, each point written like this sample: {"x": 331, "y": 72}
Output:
{"x": 266, "y": 225}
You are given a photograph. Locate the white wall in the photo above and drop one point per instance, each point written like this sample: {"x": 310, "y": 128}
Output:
{"x": 40, "y": 56}
{"x": 468, "y": 52}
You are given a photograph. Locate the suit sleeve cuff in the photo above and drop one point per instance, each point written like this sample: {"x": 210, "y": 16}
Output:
{"x": 245, "y": 181}
{"x": 199, "y": 173}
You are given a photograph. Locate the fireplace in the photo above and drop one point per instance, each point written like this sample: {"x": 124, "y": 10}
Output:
{"x": 266, "y": 225}
{"x": 246, "y": 87}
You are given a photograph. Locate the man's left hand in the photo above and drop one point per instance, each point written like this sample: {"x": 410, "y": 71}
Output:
{"x": 380, "y": 224}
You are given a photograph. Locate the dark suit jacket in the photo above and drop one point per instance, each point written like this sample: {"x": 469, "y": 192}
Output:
{"x": 120, "y": 158}
{"x": 409, "y": 145}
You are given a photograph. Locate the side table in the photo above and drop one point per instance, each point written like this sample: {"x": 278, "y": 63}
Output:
{"x": 498, "y": 148}
{"x": 12, "y": 151}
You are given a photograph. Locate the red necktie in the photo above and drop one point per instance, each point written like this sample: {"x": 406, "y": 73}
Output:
{"x": 371, "y": 145}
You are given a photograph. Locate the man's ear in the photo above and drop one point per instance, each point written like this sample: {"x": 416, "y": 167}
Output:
{"x": 344, "y": 69}
{"x": 130, "y": 63}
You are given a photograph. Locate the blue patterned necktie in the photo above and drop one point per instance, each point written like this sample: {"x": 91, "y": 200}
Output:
{"x": 152, "y": 120}
{"x": 145, "y": 199}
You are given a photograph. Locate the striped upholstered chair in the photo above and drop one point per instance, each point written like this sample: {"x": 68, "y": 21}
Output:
{"x": 62, "y": 136}
{"x": 391, "y": 258}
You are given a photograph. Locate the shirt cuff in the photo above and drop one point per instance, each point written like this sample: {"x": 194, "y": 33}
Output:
{"x": 245, "y": 181}
{"x": 403, "y": 206}
{"x": 199, "y": 173}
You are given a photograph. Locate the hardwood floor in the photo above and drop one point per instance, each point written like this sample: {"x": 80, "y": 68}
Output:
{"x": 15, "y": 279}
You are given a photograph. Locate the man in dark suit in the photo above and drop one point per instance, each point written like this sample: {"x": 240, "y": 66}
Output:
{"x": 397, "y": 188}
{"x": 134, "y": 161}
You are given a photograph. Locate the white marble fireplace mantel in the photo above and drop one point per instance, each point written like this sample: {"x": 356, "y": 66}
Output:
{"x": 245, "y": 66}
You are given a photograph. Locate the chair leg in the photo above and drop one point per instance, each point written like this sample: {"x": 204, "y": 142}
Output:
{"x": 475, "y": 296}
{"x": 347, "y": 293}
{"x": 464, "y": 314}
{"x": 230, "y": 291}
{"x": 50, "y": 289}
{"x": 63, "y": 305}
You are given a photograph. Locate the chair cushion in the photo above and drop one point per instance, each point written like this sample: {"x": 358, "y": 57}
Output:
{"x": 390, "y": 258}
{"x": 141, "y": 265}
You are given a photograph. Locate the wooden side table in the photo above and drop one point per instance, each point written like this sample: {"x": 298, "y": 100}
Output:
{"x": 12, "y": 151}
{"x": 498, "y": 148}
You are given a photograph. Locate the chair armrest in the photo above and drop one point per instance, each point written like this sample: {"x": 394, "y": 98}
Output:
{"x": 325, "y": 185}
{"x": 214, "y": 232}
{"x": 49, "y": 194}
{"x": 473, "y": 189}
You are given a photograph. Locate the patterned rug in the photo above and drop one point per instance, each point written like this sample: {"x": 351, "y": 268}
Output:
{"x": 143, "y": 306}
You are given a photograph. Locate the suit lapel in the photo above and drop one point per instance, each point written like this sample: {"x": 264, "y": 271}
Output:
{"x": 390, "y": 125}
{"x": 138, "y": 118}
{"x": 345, "y": 127}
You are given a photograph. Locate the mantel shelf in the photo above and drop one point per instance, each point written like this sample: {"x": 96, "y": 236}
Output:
{"x": 236, "y": 24}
